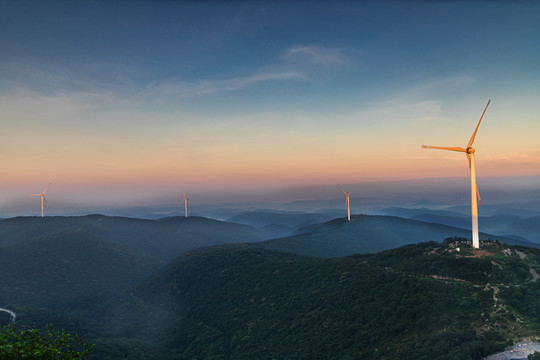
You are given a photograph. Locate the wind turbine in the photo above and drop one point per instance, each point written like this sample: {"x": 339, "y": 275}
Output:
{"x": 469, "y": 151}
{"x": 348, "y": 204}
{"x": 185, "y": 201}
{"x": 42, "y": 198}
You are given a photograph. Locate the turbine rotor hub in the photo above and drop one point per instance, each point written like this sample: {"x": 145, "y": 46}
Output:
{"x": 470, "y": 150}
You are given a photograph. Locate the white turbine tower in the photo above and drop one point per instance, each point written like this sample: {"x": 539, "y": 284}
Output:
{"x": 469, "y": 151}
{"x": 42, "y": 198}
{"x": 185, "y": 202}
{"x": 348, "y": 204}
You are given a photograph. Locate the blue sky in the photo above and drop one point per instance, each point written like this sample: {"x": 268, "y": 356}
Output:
{"x": 205, "y": 94}
{"x": 190, "y": 49}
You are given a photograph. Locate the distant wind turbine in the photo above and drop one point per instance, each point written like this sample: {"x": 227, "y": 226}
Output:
{"x": 469, "y": 151}
{"x": 185, "y": 201}
{"x": 42, "y": 198}
{"x": 348, "y": 204}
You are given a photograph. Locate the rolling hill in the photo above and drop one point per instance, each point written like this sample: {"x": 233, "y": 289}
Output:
{"x": 276, "y": 224}
{"x": 420, "y": 211}
{"x": 528, "y": 228}
{"x": 421, "y": 301}
{"x": 364, "y": 234}
{"x": 499, "y": 223}
{"x": 506, "y": 225}
{"x": 462, "y": 222}
{"x": 69, "y": 265}
{"x": 104, "y": 278}
{"x": 164, "y": 238}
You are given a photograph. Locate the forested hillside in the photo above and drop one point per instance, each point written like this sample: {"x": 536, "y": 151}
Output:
{"x": 72, "y": 270}
{"x": 60, "y": 269}
{"x": 424, "y": 301}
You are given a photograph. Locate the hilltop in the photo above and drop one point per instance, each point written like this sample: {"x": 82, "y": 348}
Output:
{"x": 427, "y": 300}
{"x": 165, "y": 238}
{"x": 365, "y": 234}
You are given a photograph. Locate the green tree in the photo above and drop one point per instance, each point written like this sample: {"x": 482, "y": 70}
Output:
{"x": 32, "y": 344}
{"x": 535, "y": 356}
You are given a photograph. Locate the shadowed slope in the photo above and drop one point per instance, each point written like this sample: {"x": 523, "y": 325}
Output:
{"x": 363, "y": 234}
{"x": 70, "y": 270}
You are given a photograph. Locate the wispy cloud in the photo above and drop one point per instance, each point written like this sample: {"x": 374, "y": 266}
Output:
{"x": 238, "y": 83}
{"x": 212, "y": 86}
{"x": 292, "y": 67}
{"x": 296, "y": 64}
{"x": 316, "y": 55}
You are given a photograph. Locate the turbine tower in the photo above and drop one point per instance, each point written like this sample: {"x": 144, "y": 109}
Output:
{"x": 185, "y": 202}
{"x": 469, "y": 151}
{"x": 42, "y": 198}
{"x": 348, "y": 204}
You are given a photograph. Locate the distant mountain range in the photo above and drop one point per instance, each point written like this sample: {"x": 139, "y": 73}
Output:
{"x": 277, "y": 224}
{"x": 509, "y": 224}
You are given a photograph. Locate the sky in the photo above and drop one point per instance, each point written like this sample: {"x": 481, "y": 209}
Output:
{"x": 112, "y": 101}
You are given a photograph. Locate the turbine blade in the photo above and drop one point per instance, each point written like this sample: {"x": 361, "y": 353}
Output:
{"x": 478, "y": 195}
{"x": 469, "y": 158}
{"x": 46, "y": 188}
{"x": 45, "y": 201}
{"x": 342, "y": 190}
{"x": 34, "y": 194}
{"x": 478, "y": 125}
{"x": 452, "y": 148}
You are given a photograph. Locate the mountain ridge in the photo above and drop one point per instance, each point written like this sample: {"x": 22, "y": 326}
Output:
{"x": 366, "y": 234}
{"x": 164, "y": 238}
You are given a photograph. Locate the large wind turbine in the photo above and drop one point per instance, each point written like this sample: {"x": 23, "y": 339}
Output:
{"x": 42, "y": 198}
{"x": 185, "y": 201}
{"x": 469, "y": 151}
{"x": 348, "y": 204}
